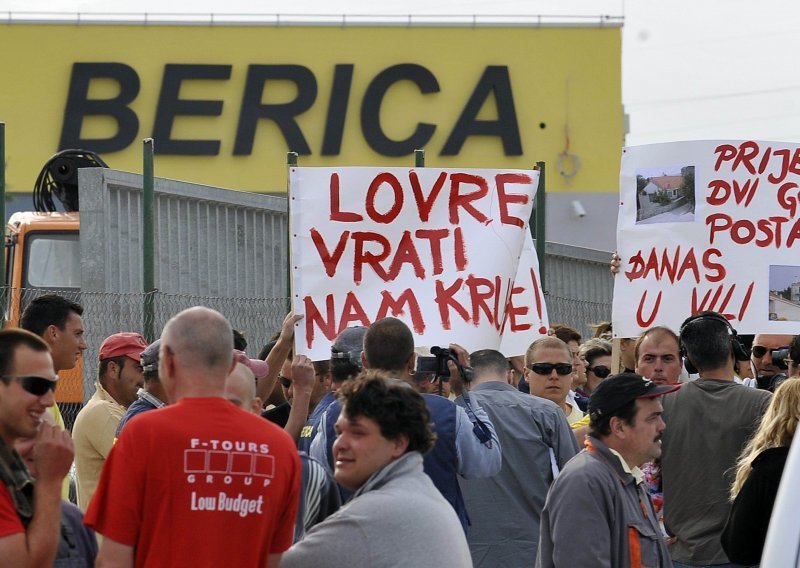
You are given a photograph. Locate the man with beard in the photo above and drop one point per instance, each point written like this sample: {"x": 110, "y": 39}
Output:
{"x": 600, "y": 494}
{"x": 658, "y": 356}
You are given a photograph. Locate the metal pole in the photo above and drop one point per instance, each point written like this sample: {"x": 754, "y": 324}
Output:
{"x": 419, "y": 158}
{"x": 540, "y": 233}
{"x": 3, "y": 212}
{"x": 148, "y": 241}
{"x": 291, "y": 160}
{"x": 3, "y": 202}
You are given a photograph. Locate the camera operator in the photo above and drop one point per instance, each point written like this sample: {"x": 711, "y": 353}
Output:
{"x": 465, "y": 445}
{"x": 768, "y": 354}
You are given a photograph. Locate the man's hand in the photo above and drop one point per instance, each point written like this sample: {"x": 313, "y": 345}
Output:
{"x": 457, "y": 382}
{"x": 278, "y": 355}
{"x": 303, "y": 375}
{"x": 615, "y": 263}
{"x": 303, "y": 378}
{"x": 287, "y": 329}
{"x": 52, "y": 453}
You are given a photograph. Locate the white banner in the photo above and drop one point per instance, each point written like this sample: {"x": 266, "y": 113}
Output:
{"x": 709, "y": 225}
{"x": 447, "y": 251}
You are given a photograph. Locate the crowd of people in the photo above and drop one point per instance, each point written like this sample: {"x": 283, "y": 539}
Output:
{"x": 190, "y": 453}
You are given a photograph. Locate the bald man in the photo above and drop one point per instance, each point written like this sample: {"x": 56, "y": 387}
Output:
{"x": 240, "y": 389}
{"x": 200, "y": 482}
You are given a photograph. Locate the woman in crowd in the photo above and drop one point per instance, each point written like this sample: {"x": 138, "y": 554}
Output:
{"x": 758, "y": 475}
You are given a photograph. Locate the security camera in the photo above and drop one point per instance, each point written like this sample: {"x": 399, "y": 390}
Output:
{"x": 578, "y": 210}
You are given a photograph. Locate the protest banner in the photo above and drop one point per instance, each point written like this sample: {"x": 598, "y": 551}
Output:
{"x": 709, "y": 225}
{"x": 447, "y": 251}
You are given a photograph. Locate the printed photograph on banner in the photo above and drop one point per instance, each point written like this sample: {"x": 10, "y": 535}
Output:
{"x": 665, "y": 195}
{"x": 784, "y": 293}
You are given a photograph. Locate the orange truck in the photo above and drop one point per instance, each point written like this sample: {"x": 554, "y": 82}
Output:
{"x": 43, "y": 255}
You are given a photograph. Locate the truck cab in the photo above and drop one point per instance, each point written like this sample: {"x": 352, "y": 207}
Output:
{"x": 43, "y": 256}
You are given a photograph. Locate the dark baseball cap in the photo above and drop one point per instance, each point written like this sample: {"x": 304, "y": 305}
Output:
{"x": 349, "y": 344}
{"x": 149, "y": 357}
{"x": 618, "y": 390}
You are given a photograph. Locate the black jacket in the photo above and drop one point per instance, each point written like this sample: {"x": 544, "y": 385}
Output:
{"x": 746, "y": 528}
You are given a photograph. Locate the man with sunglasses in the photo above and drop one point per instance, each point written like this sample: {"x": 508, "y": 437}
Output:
{"x": 537, "y": 443}
{"x": 548, "y": 370}
{"x": 597, "y": 355}
{"x": 29, "y": 513}
{"x": 769, "y": 373}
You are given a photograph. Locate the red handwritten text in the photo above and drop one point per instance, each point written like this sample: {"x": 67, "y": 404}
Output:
{"x": 661, "y": 264}
{"x": 469, "y": 195}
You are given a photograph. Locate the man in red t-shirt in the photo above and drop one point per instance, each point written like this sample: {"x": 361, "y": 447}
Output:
{"x": 29, "y": 514}
{"x": 200, "y": 482}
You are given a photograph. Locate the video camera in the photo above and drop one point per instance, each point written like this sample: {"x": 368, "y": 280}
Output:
{"x": 779, "y": 357}
{"x": 437, "y": 365}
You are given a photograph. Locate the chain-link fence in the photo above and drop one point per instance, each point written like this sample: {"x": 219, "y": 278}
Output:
{"x": 579, "y": 314}
{"x": 105, "y": 314}
{"x": 257, "y": 318}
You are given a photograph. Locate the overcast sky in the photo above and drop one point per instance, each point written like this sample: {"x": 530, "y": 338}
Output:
{"x": 692, "y": 69}
{"x": 782, "y": 276}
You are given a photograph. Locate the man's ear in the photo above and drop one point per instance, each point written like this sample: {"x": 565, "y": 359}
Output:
{"x": 51, "y": 332}
{"x": 617, "y": 426}
{"x": 257, "y": 405}
{"x": 400, "y": 446}
{"x": 166, "y": 359}
{"x": 113, "y": 369}
{"x": 411, "y": 363}
{"x": 364, "y": 364}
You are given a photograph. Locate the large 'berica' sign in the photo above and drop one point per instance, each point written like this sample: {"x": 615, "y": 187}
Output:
{"x": 225, "y": 103}
{"x": 493, "y": 83}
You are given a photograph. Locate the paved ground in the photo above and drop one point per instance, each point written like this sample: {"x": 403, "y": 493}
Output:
{"x": 682, "y": 214}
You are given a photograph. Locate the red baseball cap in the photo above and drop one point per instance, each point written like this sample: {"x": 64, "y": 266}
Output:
{"x": 126, "y": 343}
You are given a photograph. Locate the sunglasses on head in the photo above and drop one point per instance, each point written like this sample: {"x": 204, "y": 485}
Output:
{"x": 600, "y": 371}
{"x": 37, "y": 386}
{"x": 759, "y": 350}
{"x": 285, "y": 382}
{"x": 547, "y": 368}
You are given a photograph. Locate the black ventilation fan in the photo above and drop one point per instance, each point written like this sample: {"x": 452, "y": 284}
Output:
{"x": 59, "y": 177}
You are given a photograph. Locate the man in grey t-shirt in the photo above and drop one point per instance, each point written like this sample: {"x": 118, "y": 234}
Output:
{"x": 709, "y": 420}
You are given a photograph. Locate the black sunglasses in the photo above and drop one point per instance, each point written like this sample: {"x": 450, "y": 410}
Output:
{"x": 600, "y": 371}
{"x": 284, "y": 381}
{"x": 37, "y": 386}
{"x": 759, "y": 350}
{"x": 547, "y": 368}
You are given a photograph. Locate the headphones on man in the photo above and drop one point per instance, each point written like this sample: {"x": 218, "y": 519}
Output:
{"x": 740, "y": 352}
